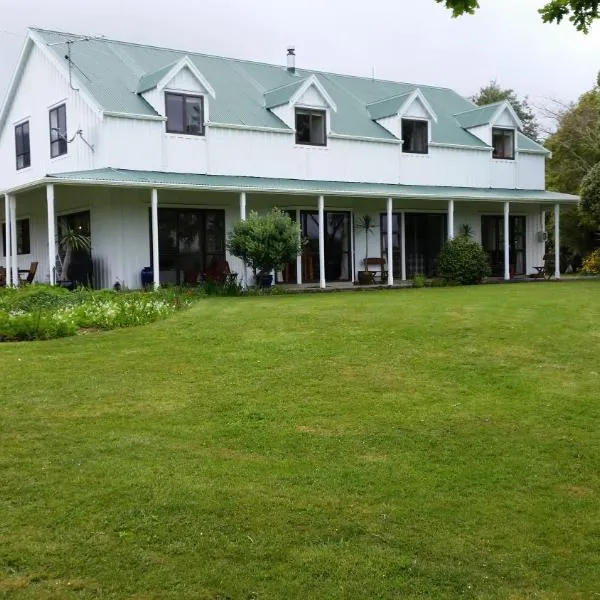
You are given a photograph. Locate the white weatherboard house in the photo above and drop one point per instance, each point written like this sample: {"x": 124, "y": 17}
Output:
{"x": 157, "y": 152}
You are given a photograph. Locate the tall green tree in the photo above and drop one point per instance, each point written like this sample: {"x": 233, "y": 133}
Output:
{"x": 581, "y": 13}
{"x": 575, "y": 148}
{"x": 575, "y": 145}
{"x": 492, "y": 92}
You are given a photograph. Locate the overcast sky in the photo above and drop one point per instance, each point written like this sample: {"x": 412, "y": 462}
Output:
{"x": 404, "y": 40}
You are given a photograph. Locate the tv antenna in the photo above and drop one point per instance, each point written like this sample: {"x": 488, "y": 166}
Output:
{"x": 68, "y": 58}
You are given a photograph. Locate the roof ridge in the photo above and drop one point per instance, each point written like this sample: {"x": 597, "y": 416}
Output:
{"x": 101, "y": 38}
{"x": 280, "y": 87}
{"x": 479, "y": 107}
{"x": 394, "y": 97}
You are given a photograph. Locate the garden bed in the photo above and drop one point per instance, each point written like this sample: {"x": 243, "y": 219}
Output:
{"x": 42, "y": 312}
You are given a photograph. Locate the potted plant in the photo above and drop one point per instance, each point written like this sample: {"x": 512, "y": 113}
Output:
{"x": 76, "y": 246}
{"x": 265, "y": 243}
{"x": 365, "y": 224}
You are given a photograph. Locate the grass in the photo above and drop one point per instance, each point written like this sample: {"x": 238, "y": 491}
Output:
{"x": 432, "y": 443}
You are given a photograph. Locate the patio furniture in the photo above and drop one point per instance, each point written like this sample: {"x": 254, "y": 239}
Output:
{"x": 218, "y": 270}
{"x": 26, "y": 276}
{"x": 2, "y": 276}
{"x": 379, "y": 272}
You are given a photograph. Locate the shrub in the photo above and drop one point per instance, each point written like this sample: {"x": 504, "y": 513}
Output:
{"x": 591, "y": 264}
{"x": 463, "y": 261}
{"x": 418, "y": 280}
{"x": 265, "y": 242}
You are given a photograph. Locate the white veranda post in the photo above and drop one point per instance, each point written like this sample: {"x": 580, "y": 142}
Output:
{"x": 13, "y": 242}
{"x": 403, "y": 244}
{"x": 557, "y": 241}
{"x": 450, "y": 219}
{"x": 155, "y": 261}
{"x": 390, "y": 241}
{"x": 506, "y": 241}
{"x": 322, "y": 242}
{"x": 243, "y": 218}
{"x": 51, "y": 234}
{"x": 7, "y": 243}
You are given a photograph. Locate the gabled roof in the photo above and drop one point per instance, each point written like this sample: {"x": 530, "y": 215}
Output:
{"x": 162, "y": 76}
{"x": 112, "y": 72}
{"x": 398, "y": 105}
{"x": 292, "y": 92}
{"x": 483, "y": 115}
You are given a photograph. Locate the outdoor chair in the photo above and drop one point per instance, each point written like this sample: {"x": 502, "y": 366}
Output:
{"x": 380, "y": 272}
{"x": 2, "y": 276}
{"x": 26, "y": 276}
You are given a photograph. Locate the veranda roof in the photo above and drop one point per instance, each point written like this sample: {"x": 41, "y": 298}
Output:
{"x": 234, "y": 183}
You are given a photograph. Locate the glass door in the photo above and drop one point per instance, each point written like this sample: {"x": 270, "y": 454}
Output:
{"x": 337, "y": 246}
{"x": 191, "y": 242}
{"x": 425, "y": 237}
{"x": 492, "y": 240}
{"x": 289, "y": 273}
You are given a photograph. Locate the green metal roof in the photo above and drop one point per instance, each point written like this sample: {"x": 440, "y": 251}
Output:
{"x": 149, "y": 81}
{"x": 113, "y": 73}
{"x": 475, "y": 117}
{"x": 283, "y": 94}
{"x": 233, "y": 183}
{"x": 388, "y": 107}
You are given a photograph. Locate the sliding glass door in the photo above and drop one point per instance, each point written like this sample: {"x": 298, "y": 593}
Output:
{"x": 190, "y": 242}
{"x": 425, "y": 234}
{"x": 492, "y": 240}
{"x": 337, "y": 246}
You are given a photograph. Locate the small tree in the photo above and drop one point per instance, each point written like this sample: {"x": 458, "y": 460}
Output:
{"x": 265, "y": 242}
{"x": 71, "y": 240}
{"x": 463, "y": 261}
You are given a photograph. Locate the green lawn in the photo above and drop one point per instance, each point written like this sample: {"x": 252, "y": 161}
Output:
{"x": 433, "y": 443}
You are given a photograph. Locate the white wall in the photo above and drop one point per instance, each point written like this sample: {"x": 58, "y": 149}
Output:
{"x": 531, "y": 171}
{"x": 42, "y": 87}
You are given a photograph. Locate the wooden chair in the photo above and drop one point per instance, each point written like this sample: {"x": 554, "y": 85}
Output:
{"x": 29, "y": 274}
{"x": 379, "y": 271}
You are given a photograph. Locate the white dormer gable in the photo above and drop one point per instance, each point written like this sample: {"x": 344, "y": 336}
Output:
{"x": 304, "y": 93}
{"x": 182, "y": 76}
{"x": 506, "y": 117}
{"x": 481, "y": 120}
{"x": 389, "y": 112}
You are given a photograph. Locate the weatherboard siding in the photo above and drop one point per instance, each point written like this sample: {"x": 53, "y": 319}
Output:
{"x": 41, "y": 88}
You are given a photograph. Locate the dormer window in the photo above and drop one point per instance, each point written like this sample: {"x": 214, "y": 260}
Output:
{"x": 415, "y": 136}
{"x": 185, "y": 114}
{"x": 503, "y": 141}
{"x": 311, "y": 127}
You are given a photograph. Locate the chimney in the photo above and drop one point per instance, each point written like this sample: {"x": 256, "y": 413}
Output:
{"x": 291, "y": 59}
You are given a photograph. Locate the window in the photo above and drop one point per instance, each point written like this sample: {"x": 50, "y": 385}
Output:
{"x": 185, "y": 114}
{"x": 503, "y": 141}
{"x": 58, "y": 131}
{"x": 415, "y": 136}
{"x": 310, "y": 127}
{"x": 22, "y": 148}
{"x": 23, "y": 243}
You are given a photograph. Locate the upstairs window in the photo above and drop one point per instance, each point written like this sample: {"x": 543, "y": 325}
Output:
{"x": 58, "y": 131}
{"x": 23, "y": 240}
{"x": 310, "y": 127}
{"x": 22, "y": 147}
{"x": 415, "y": 136}
{"x": 503, "y": 141}
{"x": 185, "y": 114}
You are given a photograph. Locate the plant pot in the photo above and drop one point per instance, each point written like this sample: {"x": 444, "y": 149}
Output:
{"x": 265, "y": 280}
{"x": 364, "y": 278}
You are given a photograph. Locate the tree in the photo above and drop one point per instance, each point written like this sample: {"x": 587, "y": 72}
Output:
{"x": 581, "y": 13}
{"x": 589, "y": 207}
{"x": 492, "y": 92}
{"x": 575, "y": 145}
